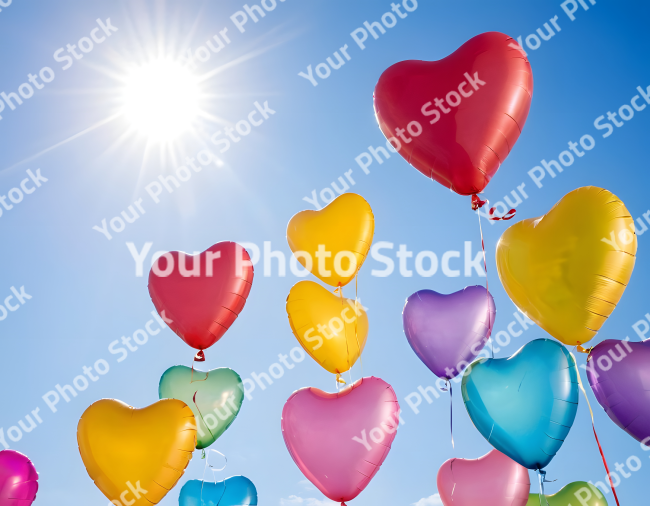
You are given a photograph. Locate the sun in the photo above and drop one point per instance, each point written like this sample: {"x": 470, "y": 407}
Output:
{"x": 161, "y": 99}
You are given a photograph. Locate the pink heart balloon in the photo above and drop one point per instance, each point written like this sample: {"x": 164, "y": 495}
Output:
{"x": 340, "y": 440}
{"x": 18, "y": 479}
{"x": 492, "y": 480}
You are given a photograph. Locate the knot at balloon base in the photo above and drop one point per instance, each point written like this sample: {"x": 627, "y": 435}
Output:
{"x": 477, "y": 203}
{"x": 586, "y": 351}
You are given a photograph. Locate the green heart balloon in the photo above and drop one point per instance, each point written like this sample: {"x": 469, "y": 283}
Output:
{"x": 215, "y": 397}
{"x": 578, "y": 492}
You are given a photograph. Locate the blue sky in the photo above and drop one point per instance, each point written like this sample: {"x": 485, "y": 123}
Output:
{"x": 84, "y": 290}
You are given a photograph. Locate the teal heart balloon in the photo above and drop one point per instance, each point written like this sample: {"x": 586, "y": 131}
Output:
{"x": 524, "y": 405}
{"x": 235, "y": 491}
{"x": 215, "y": 397}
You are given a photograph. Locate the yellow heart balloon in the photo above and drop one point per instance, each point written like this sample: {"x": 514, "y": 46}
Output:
{"x": 136, "y": 454}
{"x": 331, "y": 329}
{"x": 333, "y": 243}
{"x": 568, "y": 269}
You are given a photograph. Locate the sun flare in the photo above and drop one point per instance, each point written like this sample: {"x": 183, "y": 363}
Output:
{"x": 161, "y": 99}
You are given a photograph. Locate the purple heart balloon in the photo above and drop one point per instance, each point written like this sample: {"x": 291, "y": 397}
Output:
{"x": 18, "y": 479}
{"x": 447, "y": 332}
{"x": 619, "y": 375}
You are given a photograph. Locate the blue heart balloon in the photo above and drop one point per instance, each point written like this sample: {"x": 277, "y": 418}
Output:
{"x": 235, "y": 491}
{"x": 524, "y": 405}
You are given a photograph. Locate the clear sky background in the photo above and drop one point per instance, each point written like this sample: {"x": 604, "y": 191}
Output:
{"x": 84, "y": 288}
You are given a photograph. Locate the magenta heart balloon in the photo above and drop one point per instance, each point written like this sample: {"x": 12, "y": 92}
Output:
{"x": 492, "y": 480}
{"x": 339, "y": 440}
{"x": 18, "y": 479}
{"x": 619, "y": 375}
{"x": 447, "y": 332}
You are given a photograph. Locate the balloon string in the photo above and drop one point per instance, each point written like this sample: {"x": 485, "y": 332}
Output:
{"x": 586, "y": 351}
{"x": 356, "y": 333}
{"x": 207, "y": 463}
{"x": 356, "y": 318}
{"x": 542, "y": 477}
{"x": 199, "y": 357}
{"x": 339, "y": 291}
{"x": 202, "y": 419}
{"x": 192, "y": 376}
{"x": 451, "y": 414}
{"x": 477, "y": 203}
{"x": 593, "y": 426}
{"x": 446, "y": 388}
{"x": 487, "y": 289}
{"x": 347, "y": 350}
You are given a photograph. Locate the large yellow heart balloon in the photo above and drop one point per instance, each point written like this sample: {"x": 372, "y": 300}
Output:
{"x": 136, "y": 454}
{"x": 332, "y": 330}
{"x": 568, "y": 269}
{"x": 333, "y": 243}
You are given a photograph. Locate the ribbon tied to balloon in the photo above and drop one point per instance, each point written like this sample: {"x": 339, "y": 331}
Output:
{"x": 447, "y": 332}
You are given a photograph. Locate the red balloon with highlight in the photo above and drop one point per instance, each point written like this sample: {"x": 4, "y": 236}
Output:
{"x": 200, "y": 297}
{"x": 457, "y": 119}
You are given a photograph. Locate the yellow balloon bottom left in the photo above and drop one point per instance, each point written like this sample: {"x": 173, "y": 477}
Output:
{"x": 135, "y": 456}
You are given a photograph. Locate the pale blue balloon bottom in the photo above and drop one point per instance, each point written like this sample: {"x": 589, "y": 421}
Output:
{"x": 234, "y": 491}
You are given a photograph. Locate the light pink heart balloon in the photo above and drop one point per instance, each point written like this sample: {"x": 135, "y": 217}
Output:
{"x": 492, "y": 480}
{"x": 340, "y": 440}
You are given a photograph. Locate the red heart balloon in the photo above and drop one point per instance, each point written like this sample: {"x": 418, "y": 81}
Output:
{"x": 456, "y": 119}
{"x": 200, "y": 296}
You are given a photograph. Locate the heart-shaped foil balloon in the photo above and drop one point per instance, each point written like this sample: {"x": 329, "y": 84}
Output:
{"x": 457, "y": 119}
{"x": 339, "y": 440}
{"x": 136, "y": 456}
{"x": 201, "y": 296}
{"x": 576, "y": 493}
{"x": 524, "y": 405}
{"x": 619, "y": 375}
{"x": 333, "y": 243}
{"x": 215, "y": 397}
{"x": 568, "y": 269}
{"x": 234, "y": 491}
{"x": 18, "y": 479}
{"x": 447, "y": 332}
{"x": 492, "y": 480}
{"x": 332, "y": 330}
